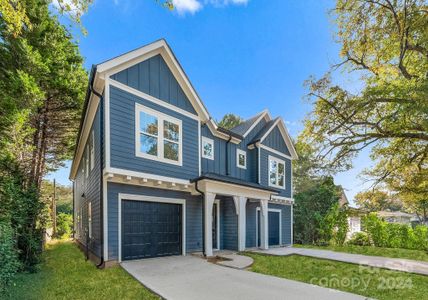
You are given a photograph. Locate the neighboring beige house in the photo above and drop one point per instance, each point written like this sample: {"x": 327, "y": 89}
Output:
{"x": 396, "y": 217}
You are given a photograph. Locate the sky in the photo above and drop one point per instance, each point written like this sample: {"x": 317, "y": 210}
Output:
{"x": 242, "y": 56}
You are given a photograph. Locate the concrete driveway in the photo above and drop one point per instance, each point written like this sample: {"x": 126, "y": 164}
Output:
{"x": 190, "y": 277}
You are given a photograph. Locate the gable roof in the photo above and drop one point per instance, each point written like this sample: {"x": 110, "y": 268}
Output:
{"x": 263, "y": 134}
{"x": 245, "y": 127}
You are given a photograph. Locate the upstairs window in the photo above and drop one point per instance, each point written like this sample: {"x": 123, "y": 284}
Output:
{"x": 92, "y": 150}
{"x": 241, "y": 158}
{"x": 158, "y": 136}
{"x": 207, "y": 148}
{"x": 276, "y": 172}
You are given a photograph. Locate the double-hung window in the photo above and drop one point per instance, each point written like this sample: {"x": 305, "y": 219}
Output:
{"x": 158, "y": 136}
{"x": 92, "y": 150}
{"x": 276, "y": 172}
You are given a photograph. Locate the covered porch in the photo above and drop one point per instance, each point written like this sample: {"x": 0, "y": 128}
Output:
{"x": 236, "y": 214}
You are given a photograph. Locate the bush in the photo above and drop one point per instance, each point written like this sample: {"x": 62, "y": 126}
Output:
{"x": 9, "y": 261}
{"x": 359, "y": 239}
{"x": 64, "y": 224}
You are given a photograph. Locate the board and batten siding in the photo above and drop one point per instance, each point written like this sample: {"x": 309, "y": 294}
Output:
{"x": 122, "y": 138}
{"x": 153, "y": 77}
{"x": 264, "y": 172}
{"x": 193, "y": 214}
{"x": 275, "y": 141}
{"x": 228, "y": 224}
{"x": 218, "y": 165}
{"x": 88, "y": 189}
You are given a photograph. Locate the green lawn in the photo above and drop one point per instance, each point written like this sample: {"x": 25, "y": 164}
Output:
{"x": 375, "y": 251}
{"x": 370, "y": 282}
{"x": 64, "y": 274}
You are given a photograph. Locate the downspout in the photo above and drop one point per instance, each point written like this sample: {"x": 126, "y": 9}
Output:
{"x": 101, "y": 263}
{"x": 203, "y": 216}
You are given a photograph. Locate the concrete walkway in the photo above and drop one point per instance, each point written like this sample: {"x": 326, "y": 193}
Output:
{"x": 236, "y": 261}
{"x": 397, "y": 264}
{"x": 190, "y": 277}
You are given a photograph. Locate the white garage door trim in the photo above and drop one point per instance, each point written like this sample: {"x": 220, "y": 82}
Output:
{"x": 280, "y": 224}
{"x": 151, "y": 199}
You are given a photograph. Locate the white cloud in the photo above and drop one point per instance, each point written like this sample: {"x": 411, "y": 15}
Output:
{"x": 192, "y": 6}
{"x": 187, "y": 6}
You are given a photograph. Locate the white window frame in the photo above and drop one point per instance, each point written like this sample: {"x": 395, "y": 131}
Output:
{"x": 278, "y": 161}
{"x": 160, "y": 138}
{"x": 92, "y": 150}
{"x": 238, "y": 152}
{"x": 208, "y": 141}
{"x": 87, "y": 162}
{"x": 90, "y": 219}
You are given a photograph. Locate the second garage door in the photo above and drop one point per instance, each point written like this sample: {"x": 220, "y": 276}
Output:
{"x": 150, "y": 229}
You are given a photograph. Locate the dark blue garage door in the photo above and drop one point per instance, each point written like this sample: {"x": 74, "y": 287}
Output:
{"x": 273, "y": 228}
{"x": 150, "y": 229}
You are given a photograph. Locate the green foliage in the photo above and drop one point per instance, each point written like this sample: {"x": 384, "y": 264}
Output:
{"x": 312, "y": 221}
{"x": 9, "y": 261}
{"x": 64, "y": 225}
{"x": 359, "y": 239}
{"x": 333, "y": 226}
{"x": 229, "y": 121}
{"x": 395, "y": 235}
{"x": 64, "y": 196}
{"x": 384, "y": 45}
{"x": 377, "y": 200}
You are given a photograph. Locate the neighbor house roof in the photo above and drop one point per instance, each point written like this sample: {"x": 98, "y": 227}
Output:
{"x": 386, "y": 214}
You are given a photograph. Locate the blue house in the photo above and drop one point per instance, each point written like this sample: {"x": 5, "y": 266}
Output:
{"x": 153, "y": 175}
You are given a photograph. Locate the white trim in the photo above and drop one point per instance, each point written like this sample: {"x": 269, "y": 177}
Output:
{"x": 90, "y": 219}
{"x": 213, "y": 129}
{"x": 278, "y": 161}
{"x": 238, "y": 152}
{"x": 209, "y": 141}
{"x": 107, "y": 122}
{"x": 145, "y": 198}
{"x": 217, "y": 225}
{"x": 161, "y": 118}
{"x": 153, "y": 99}
{"x": 199, "y": 147}
{"x": 285, "y": 136}
{"x": 280, "y": 225}
{"x": 264, "y": 115}
{"x": 105, "y": 219}
{"x": 274, "y": 151}
{"x": 123, "y": 172}
{"x": 143, "y": 53}
{"x": 231, "y": 189}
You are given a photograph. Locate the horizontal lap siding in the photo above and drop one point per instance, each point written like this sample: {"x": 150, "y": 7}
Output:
{"x": 228, "y": 224}
{"x": 153, "y": 77}
{"x": 87, "y": 189}
{"x": 193, "y": 214}
{"x": 250, "y": 240}
{"x": 264, "y": 172}
{"x": 122, "y": 138}
{"x": 286, "y": 222}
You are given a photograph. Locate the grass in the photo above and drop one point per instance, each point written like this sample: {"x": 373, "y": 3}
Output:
{"x": 374, "y": 251}
{"x": 64, "y": 274}
{"x": 369, "y": 282}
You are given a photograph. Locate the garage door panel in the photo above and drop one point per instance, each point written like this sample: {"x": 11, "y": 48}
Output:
{"x": 150, "y": 229}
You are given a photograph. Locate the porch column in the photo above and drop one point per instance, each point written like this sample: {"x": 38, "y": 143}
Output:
{"x": 208, "y": 222}
{"x": 264, "y": 234}
{"x": 240, "y": 206}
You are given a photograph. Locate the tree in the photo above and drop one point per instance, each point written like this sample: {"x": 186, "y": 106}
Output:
{"x": 384, "y": 45}
{"x": 229, "y": 121}
{"x": 377, "y": 200}
{"x": 311, "y": 210}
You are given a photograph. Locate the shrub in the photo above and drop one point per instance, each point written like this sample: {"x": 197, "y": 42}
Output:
{"x": 359, "y": 239}
{"x": 64, "y": 224}
{"x": 375, "y": 229}
{"x": 9, "y": 261}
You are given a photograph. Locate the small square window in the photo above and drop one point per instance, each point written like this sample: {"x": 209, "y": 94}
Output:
{"x": 207, "y": 148}
{"x": 241, "y": 159}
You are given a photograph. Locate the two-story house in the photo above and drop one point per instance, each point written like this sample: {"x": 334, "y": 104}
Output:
{"x": 153, "y": 174}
